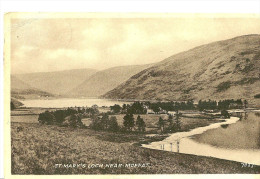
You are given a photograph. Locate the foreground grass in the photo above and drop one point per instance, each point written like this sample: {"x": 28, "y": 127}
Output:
{"x": 37, "y": 148}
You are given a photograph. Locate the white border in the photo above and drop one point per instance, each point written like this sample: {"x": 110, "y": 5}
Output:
{"x": 173, "y": 6}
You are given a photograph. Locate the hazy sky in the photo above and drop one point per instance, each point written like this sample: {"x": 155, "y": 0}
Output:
{"x": 59, "y": 44}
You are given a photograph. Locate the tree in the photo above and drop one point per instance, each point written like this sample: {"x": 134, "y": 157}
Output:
{"x": 71, "y": 111}
{"x": 96, "y": 123}
{"x": 155, "y": 108}
{"x": 116, "y": 108}
{"x": 125, "y": 108}
{"x": 170, "y": 120}
{"x": 75, "y": 121}
{"x": 113, "y": 125}
{"x": 104, "y": 121}
{"x": 46, "y": 118}
{"x": 137, "y": 108}
{"x": 225, "y": 114}
{"x": 177, "y": 123}
{"x": 161, "y": 124}
{"x": 245, "y": 103}
{"x": 129, "y": 122}
{"x": 140, "y": 124}
{"x": 60, "y": 116}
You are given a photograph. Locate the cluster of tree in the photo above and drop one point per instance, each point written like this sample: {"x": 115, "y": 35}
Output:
{"x": 105, "y": 122}
{"x": 129, "y": 123}
{"x": 230, "y": 103}
{"x": 135, "y": 108}
{"x": 55, "y": 117}
{"x": 88, "y": 111}
{"x": 171, "y": 106}
{"x": 66, "y": 117}
{"x": 174, "y": 124}
{"x": 210, "y": 105}
{"x": 116, "y": 108}
{"x": 141, "y": 107}
{"x": 222, "y": 104}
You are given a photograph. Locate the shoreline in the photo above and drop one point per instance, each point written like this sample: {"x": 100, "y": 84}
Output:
{"x": 182, "y": 139}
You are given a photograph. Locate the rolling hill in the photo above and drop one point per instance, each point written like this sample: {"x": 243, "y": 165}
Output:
{"x": 58, "y": 82}
{"x": 22, "y": 90}
{"x": 105, "y": 80}
{"x": 18, "y": 84}
{"x": 219, "y": 70}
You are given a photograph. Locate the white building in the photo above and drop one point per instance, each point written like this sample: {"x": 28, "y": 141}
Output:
{"x": 150, "y": 111}
{"x": 171, "y": 113}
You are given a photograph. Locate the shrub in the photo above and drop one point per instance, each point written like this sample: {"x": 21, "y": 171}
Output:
{"x": 161, "y": 124}
{"x": 46, "y": 118}
{"x": 257, "y": 96}
{"x": 75, "y": 121}
{"x": 223, "y": 86}
{"x": 129, "y": 122}
{"x": 225, "y": 114}
{"x": 112, "y": 124}
{"x": 60, "y": 116}
{"x": 140, "y": 124}
{"x": 116, "y": 108}
{"x": 96, "y": 123}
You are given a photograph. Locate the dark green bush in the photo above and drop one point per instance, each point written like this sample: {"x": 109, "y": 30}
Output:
{"x": 257, "y": 96}
{"x": 223, "y": 86}
{"x": 46, "y": 118}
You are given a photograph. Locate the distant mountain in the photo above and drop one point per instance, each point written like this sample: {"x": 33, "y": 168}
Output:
{"x": 219, "y": 70}
{"x": 21, "y": 90}
{"x": 58, "y": 82}
{"x": 19, "y": 84}
{"x": 103, "y": 81}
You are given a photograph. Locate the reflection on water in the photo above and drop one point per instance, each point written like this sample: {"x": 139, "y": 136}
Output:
{"x": 236, "y": 140}
{"x": 189, "y": 146}
{"x": 224, "y": 126}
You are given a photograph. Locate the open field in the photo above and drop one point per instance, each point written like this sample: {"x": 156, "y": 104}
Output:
{"x": 151, "y": 121}
{"x": 37, "y": 148}
{"x": 30, "y": 115}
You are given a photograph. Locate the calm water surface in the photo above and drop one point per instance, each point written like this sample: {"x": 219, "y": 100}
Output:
{"x": 70, "y": 102}
{"x": 236, "y": 139}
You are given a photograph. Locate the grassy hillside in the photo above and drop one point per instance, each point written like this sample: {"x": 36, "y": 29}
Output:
{"x": 220, "y": 70}
{"x": 59, "y": 82}
{"x": 35, "y": 149}
{"x": 103, "y": 81}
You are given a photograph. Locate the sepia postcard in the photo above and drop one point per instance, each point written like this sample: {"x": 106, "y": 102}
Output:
{"x": 122, "y": 95}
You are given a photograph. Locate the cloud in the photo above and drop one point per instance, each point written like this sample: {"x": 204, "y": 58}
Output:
{"x": 59, "y": 44}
